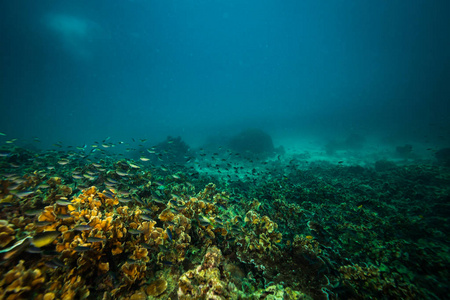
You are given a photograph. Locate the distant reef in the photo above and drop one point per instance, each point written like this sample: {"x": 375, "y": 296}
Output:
{"x": 253, "y": 142}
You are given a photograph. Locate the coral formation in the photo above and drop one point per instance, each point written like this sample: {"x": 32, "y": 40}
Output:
{"x": 100, "y": 226}
{"x": 206, "y": 281}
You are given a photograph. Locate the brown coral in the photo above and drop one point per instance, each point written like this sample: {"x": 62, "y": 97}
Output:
{"x": 17, "y": 282}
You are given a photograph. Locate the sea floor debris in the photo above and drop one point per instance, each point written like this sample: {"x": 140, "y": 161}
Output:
{"x": 75, "y": 227}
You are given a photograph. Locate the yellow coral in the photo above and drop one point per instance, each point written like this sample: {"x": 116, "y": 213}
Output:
{"x": 157, "y": 287}
{"x": 6, "y": 233}
{"x": 19, "y": 280}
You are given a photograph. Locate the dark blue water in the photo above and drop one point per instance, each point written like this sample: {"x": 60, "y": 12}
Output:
{"x": 81, "y": 71}
{"x": 238, "y": 149}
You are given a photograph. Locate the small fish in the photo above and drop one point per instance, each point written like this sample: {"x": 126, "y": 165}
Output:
{"x": 122, "y": 174}
{"x": 64, "y": 216}
{"x": 81, "y": 248}
{"x": 124, "y": 193}
{"x": 112, "y": 180}
{"x": 124, "y": 200}
{"x": 108, "y": 194}
{"x": 16, "y": 249}
{"x": 146, "y": 246}
{"x": 93, "y": 239}
{"x": 144, "y": 158}
{"x": 138, "y": 200}
{"x": 134, "y": 231}
{"x": 33, "y": 249}
{"x": 146, "y": 210}
{"x": 42, "y": 223}
{"x": 63, "y": 161}
{"x": 134, "y": 166}
{"x": 91, "y": 178}
{"x": 33, "y": 212}
{"x": 45, "y": 238}
{"x": 63, "y": 202}
{"x": 169, "y": 234}
{"x": 204, "y": 221}
{"x": 146, "y": 217}
{"x": 76, "y": 176}
{"x": 55, "y": 263}
{"x": 82, "y": 227}
{"x": 157, "y": 199}
{"x": 23, "y": 194}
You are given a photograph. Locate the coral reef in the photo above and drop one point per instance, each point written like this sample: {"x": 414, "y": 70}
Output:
{"x": 98, "y": 226}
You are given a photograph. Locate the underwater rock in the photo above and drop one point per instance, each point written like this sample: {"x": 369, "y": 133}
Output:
{"x": 443, "y": 156}
{"x": 253, "y": 142}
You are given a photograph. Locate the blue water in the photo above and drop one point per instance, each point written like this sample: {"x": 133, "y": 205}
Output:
{"x": 81, "y": 71}
{"x": 300, "y": 147}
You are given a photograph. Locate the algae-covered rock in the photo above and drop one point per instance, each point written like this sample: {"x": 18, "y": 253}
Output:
{"x": 252, "y": 141}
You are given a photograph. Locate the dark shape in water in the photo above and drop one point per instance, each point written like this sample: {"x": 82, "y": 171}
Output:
{"x": 146, "y": 246}
{"x": 55, "y": 263}
{"x": 252, "y": 141}
{"x": 443, "y": 156}
{"x": 33, "y": 249}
